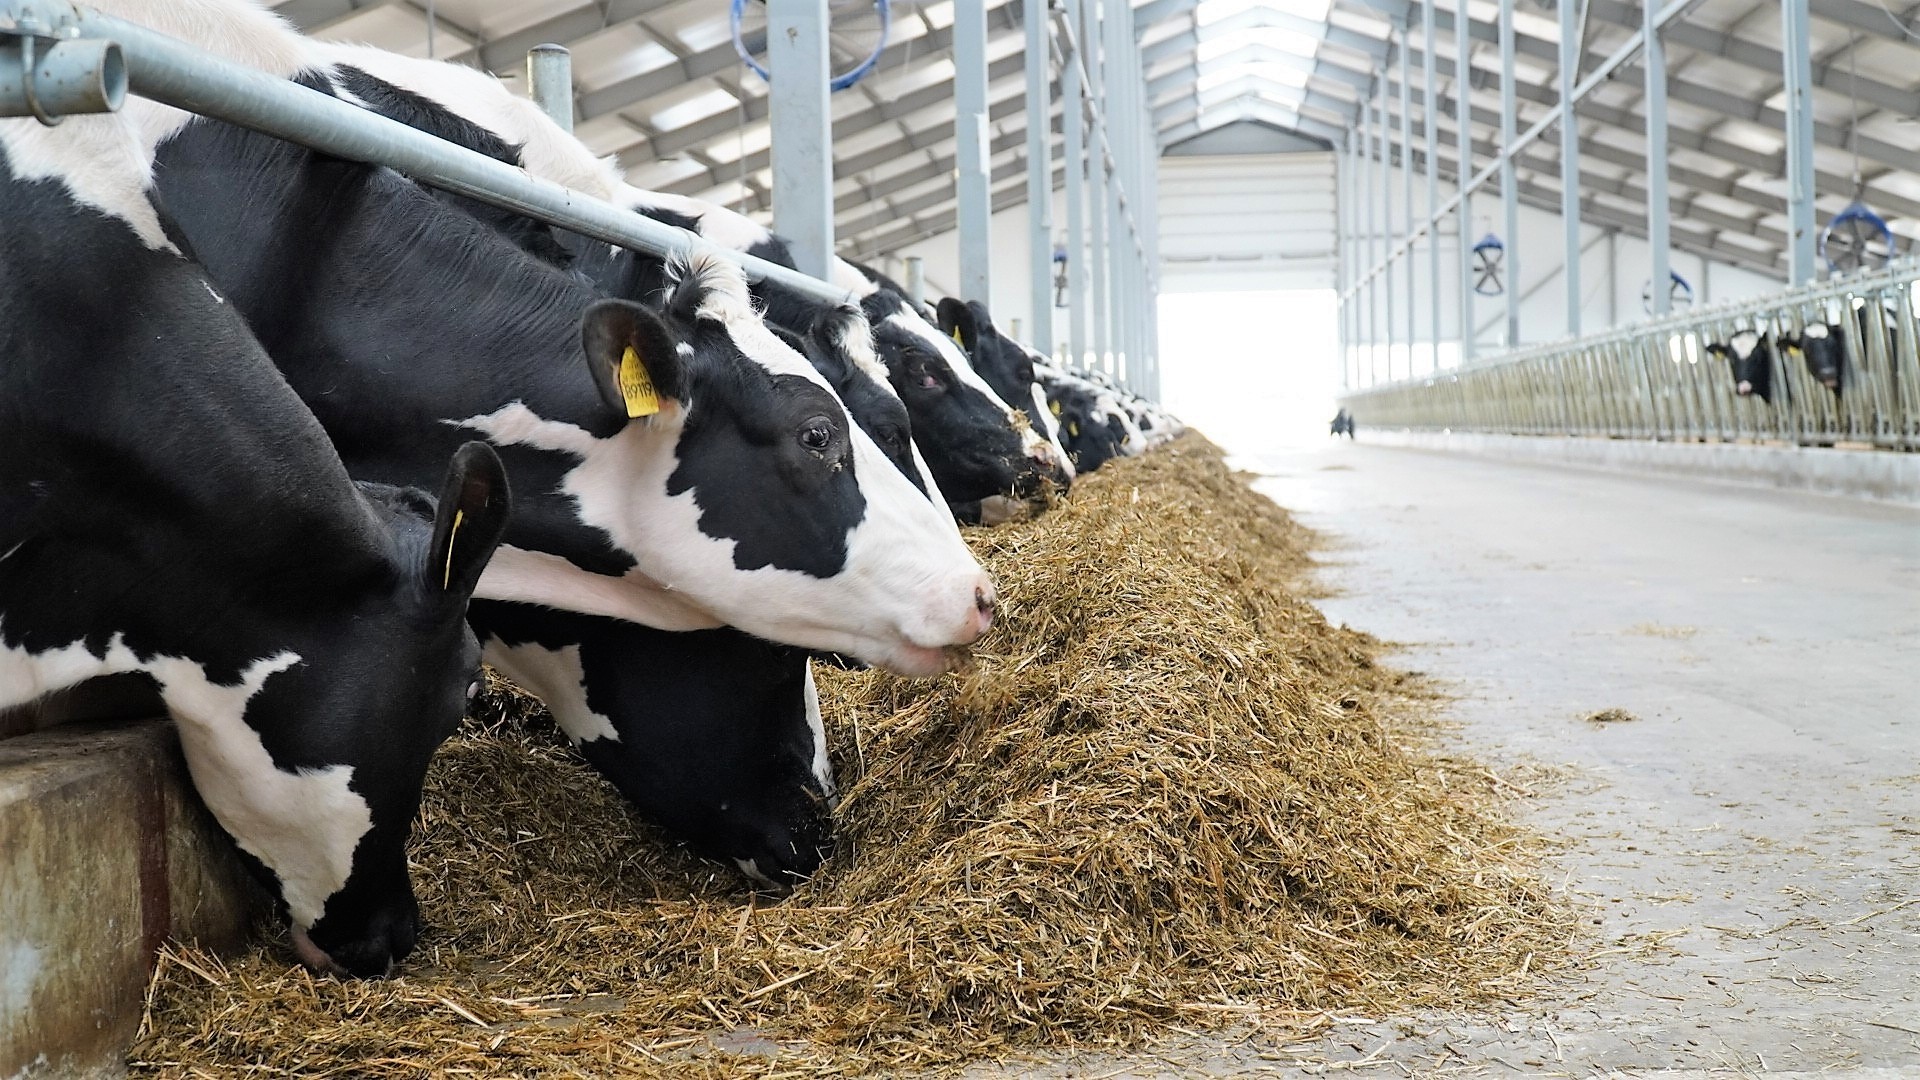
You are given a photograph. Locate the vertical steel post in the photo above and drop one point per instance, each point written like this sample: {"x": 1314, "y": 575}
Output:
{"x": 916, "y": 279}
{"x": 1073, "y": 117}
{"x": 1463, "y": 130}
{"x": 1120, "y": 133}
{"x": 1431, "y": 114}
{"x": 1386, "y": 224}
{"x": 1796, "y": 53}
{"x": 1406, "y": 175}
{"x": 1039, "y": 177}
{"x": 1570, "y": 159}
{"x": 1509, "y": 189}
{"x": 550, "y": 80}
{"x": 974, "y": 198}
{"x": 1658, "y": 239}
{"x": 1097, "y": 193}
{"x": 802, "y": 127}
{"x": 1371, "y": 268}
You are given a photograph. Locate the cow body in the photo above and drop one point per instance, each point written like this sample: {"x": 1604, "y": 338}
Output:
{"x": 169, "y": 507}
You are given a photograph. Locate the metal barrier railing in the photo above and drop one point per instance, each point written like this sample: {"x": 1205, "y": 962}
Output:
{"x": 1656, "y": 380}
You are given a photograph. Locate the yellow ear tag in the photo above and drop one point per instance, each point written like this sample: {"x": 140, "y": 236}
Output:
{"x": 637, "y": 386}
{"x": 446, "y": 579}
{"x": 956, "y": 337}
{"x": 1073, "y": 429}
{"x": 1055, "y": 406}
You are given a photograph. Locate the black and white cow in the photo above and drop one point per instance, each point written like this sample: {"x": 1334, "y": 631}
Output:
{"x": 1005, "y": 364}
{"x": 1750, "y": 361}
{"x": 728, "y": 486}
{"x": 713, "y": 735}
{"x": 1825, "y": 348}
{"x": 1094, "y": 426}
{"x": 169, "y": 507}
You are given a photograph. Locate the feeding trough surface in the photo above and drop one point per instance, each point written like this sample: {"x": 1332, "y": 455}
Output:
{"x": 1167, "y": 793}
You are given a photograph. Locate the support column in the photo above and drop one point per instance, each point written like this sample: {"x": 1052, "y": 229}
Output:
{"x": 1100, "y": 200}
{"x": 1570, "y": 160}
{"x": 1463, "y": 128}
{"x": 1386, "y": 227}
{"x": 1432, "y": 117}
{"x": 1039, "y": 177}
{"x": 1796, "y": 53}
{"x": 1073, "y": 117}
{"x": 1658, "y": 239}
{"x": 1372, "y": 265}
{"x": 1509, "y": 189}
{"x": 972, "y": 185}
{"x": 550, "y": 80}
{"x": 1406, "y": 175}
{"x": 802, "y": 126}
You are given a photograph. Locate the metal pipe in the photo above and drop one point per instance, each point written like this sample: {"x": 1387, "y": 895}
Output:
{"x": 550, "y": 80}
{"x": 1796, "y": 56}
{"x": 1039, "y": 178}
{"x": 173, "y": 73}
{"x": 1509, "y": 186}
{"x": 1658, "y": 206}
{"x": 1428, "y": 77}
{"x": 1463, "y": 201}
{"x": 1406, "y": 176}
{"x": 1570, "y": 163}
{"x": 916, "y": 279}
{"x": 802, "y": 127}
{"x": 1073, "y": 117}
{"x": 973, "y": 183}
{"x": 68, "y": 78}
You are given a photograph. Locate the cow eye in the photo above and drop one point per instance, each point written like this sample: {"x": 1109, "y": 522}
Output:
{"x": 473, "y": 689}
{"x": 817, "y": 434}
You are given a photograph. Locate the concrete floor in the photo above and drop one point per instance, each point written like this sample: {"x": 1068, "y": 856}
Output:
{"x": 1749, "y": 846}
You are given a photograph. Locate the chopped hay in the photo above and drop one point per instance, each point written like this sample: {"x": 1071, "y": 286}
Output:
{"x": 1167, "y": 792}
{"x": 1611, "y": 716}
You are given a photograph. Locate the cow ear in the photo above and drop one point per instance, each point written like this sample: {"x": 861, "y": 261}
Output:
{"x": 1719, "y": 350}
{"x": 474, "y": 504}
{"x": 633, "y": 356}
{"x": 957, "y": 322}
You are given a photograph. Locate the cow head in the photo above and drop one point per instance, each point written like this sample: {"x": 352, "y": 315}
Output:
{"x": 1824, "y": 347}
{"x": 732, "y": 476}
{"x": 974, "y": 443}
{"x": 1751, "y": 361}
{"x": 1093, "y": 431}
{"x": 839, "y": 344}
{"x": 1007, "y": 367}
{"x": 714, "y": 736}
{"x": 350, "y": 728}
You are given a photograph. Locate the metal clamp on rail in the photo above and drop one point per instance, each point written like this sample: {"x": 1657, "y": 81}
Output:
{"x": 50, "y": 73}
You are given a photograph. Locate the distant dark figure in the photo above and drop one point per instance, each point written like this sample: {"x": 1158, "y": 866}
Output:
{"x": 1342, "y": 424}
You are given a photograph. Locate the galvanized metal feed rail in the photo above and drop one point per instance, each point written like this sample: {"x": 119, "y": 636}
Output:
{"x": 1656, "y": 380}
{"x": 78, "y": 57}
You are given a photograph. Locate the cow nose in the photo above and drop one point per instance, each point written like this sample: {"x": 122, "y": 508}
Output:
{"x": 983, "y": 605}
{"x": 1745, "y": 387}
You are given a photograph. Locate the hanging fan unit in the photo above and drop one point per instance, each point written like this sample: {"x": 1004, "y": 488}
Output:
{"x": 1856, "y": 239}
{"x": 1679, "y": 293}
{"x": 1489, "y": 262}
{"x": 857, "y": 33}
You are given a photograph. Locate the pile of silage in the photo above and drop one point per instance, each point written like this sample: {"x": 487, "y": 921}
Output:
{"x": 1168, "y": 791}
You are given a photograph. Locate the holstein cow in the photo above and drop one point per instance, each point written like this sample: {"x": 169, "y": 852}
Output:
{"x": 1750, "y": 359}
{"x": 1093, "y": 425}
{"x": 1005, "y": 364}
{"x": 973, "y": 448}
{"x": 698, "y": 473}
{"x": 168, "y": 506}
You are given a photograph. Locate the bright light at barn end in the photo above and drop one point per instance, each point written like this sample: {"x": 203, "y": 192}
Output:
{"x": 1253, "y": 370}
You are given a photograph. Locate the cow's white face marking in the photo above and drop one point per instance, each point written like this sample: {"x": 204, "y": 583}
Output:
{"x": 1031, "y": 441}
{"x": 302, "y": 825}
{"x": 1815, "y": 332}
{"x": 558, "y": 678}
{"x": 1052, "y": 425}
{"x": 822, "y": 765}
{"x": 1744, "y": 343}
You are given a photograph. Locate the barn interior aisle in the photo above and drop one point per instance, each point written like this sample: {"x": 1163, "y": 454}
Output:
{"x": 1717, "y": 683}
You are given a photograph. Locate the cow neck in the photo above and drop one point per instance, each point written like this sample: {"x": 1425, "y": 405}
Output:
{"x": 380, "y": 303}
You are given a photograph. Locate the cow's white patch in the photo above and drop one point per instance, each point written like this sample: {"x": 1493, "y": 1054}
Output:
{"x": 558, "y": 678}
{"x": 211, "y": 291}
{"x": 1051, "y": 424}
{"x": 303, "y": 825}
{"x": 1815, "y": 331}
{"x": 844, "y": 275}
{"x": 100, "y": 159}
{"x": 822, "y": 765}
{"x": 949, "y": 350}
{"x": 752, "y": 869}
{"x": 1743, "y": 343}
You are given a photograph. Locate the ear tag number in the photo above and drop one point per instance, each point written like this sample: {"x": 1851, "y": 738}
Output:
{"x": 446, "y": 579}
{"x": 636, "y": 386}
